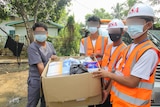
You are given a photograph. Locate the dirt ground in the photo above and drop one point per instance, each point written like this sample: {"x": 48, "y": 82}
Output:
{"x": 13, "y": 85}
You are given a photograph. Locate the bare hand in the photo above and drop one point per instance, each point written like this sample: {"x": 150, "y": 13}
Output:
{"x": 95, "y": 55}
{"x": 104, "y": 96}
{"x": 100, "y": 74}
{"x": 53, "y": 57}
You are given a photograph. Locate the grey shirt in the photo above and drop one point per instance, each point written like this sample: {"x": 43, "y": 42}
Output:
{"x": 38, "y": 54}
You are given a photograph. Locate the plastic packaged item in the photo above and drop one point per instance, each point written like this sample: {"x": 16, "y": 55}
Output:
{"x": 91, "y": 66}
{"x": 74, "y": 61}
{"x": 66, "y": 67}
{"x": 67, "y": 64}
{"x": 88, "y": 59}
{"x": 78, "y": 69}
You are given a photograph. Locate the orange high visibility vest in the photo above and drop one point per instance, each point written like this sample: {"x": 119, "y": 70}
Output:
{"x": 141, "y": 95}
{"x": 111, "y": 60}
{"x": 101, "y": 43}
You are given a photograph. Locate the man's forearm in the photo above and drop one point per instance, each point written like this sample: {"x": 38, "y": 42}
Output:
{"x": 40, "y": 67}
{"x": 130, "y": 81}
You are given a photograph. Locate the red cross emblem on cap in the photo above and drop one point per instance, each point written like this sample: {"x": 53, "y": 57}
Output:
{"x": 134, "y": 10}
{"x": 112, "y": 24}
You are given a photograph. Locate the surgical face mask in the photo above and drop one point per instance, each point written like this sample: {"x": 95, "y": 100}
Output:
{"x": 135, "y": 31}
{"x": 92, "y": 30}
{"x": 40, "y": 37}
{"x": 115, "y": 37}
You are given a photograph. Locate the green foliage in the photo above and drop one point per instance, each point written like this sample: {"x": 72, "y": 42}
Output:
{"x": 3, "y": 12}
{"x": 52, "y": 9}
{"x": 126, "y": 39}
{"x": 154, "y": 2}
{"x": 39, "y": 10}
{"x": 43, "y": 9}
{"x": 118, "y": 11}
{"x": 68, "y": 41}
{"x": 157, "y": 25}
{"x": 127, "y": 6}
{"x": 50, "y": 38}
{"x": 101, "y": 13}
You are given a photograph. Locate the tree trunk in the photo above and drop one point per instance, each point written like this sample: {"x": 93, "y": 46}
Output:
{"x": 36, "y": 10}
{"x": 30, "y": 35}
{"x": 30, "y": 38}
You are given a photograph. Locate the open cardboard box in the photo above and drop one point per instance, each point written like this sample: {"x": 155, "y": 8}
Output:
{"x": 71, "y": 90}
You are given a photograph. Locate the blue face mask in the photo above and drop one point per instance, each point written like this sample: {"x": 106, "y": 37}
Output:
{"x": 40, "y": 37}
{"x": 135, "y": 31}
{"x": 92, "y": 30}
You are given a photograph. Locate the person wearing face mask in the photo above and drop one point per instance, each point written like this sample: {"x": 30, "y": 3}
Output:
{"x": 39, "y": 53}
{"x": 134, "y": 74}
{"x": 112, "y": 54}
{"x": 94, "y": 44}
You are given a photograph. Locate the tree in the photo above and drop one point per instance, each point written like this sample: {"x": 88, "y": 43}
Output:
{"x": 3, "y": 11}
{"x": 156, "y": 3}
{"x": 127, "y": 6}
{"x": 101, "y": 13}
{"x": 118, "y": 11}
{"x": 126, "y": 38}
{"x": 68, "y": 39}
{"x": 39, "y": 10}
{"x": 3, "y": 14}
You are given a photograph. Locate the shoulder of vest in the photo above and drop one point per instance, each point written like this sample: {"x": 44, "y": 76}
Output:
{"x": 142, "y": 50}
{"x": 83, "y": 39}
{"x": 104, "y": 37}
{"x": 109, "y": 45}
{"x": 128, "y": 47}
{"x": 125, "y": 50}
{"x": 124, "y": 44}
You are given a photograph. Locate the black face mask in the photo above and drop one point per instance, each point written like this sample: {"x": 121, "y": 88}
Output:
{"x": 115, "y": 37}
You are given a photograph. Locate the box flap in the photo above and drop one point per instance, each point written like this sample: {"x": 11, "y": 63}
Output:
{"x": 45, "y": 69}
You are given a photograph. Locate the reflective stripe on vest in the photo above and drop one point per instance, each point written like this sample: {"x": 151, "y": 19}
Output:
{"x": 129, "y": 99}
{"x": 105, "y": 61}
{"x": 146, "y": 85}
{"x": 115, "y": 59}
{"x": 112, "y": 59}
{"x": 85, "y": 45}
{"x": 102, "y": 45}
{"x": 120, "y": 92}
{"x": 135, "y": 57}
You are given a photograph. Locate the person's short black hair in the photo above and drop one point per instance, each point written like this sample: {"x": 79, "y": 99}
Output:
{"x": 39, "y": 24}
{"x": 94, "y": 18}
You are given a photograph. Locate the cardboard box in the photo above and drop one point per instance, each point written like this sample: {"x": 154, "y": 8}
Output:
{"x": 71, "y": 90}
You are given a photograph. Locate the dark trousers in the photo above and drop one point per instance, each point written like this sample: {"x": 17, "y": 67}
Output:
{"x": 34, "y": 90}
{"x": 105, "y": 104}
